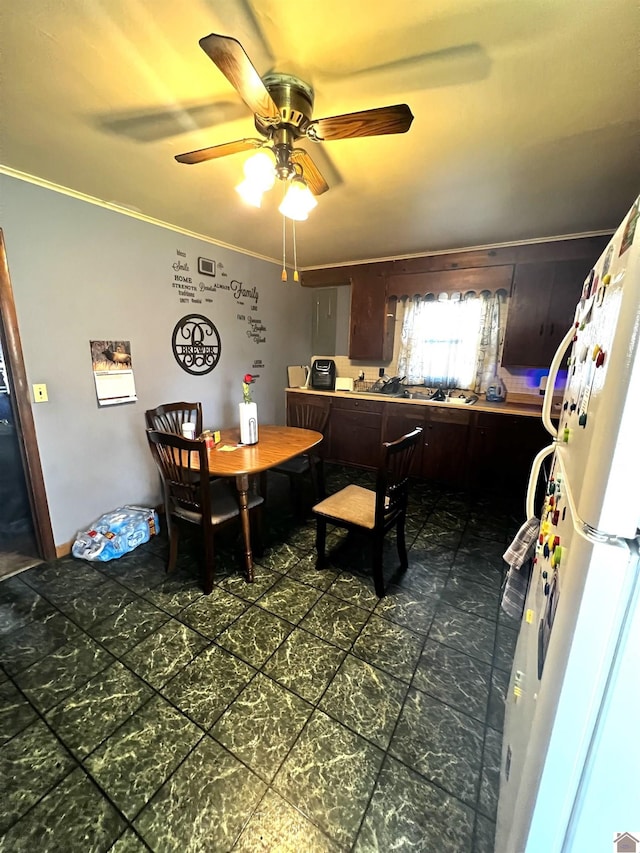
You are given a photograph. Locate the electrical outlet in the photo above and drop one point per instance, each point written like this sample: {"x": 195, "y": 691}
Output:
{"x": 381, "y": 372}
{"x": 40, "y": 394}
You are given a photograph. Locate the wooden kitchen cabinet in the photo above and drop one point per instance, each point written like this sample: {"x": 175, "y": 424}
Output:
{"x": 501, "y": 450}
{"x": 541, "y": 309}
{"x": 355, "y": 432}
{"x": 444, "y": 451}
{"x": 372, "y": 318}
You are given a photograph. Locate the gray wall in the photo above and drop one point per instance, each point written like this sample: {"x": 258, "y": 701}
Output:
{"x": 81, "y": 272}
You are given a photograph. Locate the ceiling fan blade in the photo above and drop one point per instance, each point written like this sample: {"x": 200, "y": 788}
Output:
{"x": 310, "y": 171}
{"x": 216, "y": 151}
{"x": 230, "y": 57}
{"x": 151, "y": 125}
{"x": 376, "y": 122}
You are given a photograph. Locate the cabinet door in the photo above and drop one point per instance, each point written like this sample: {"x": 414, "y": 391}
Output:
{"x": 528, "y": 310}
{"x": 444, "y": 454}
{"x": 355, "y": 433}
{"x": 541, "y": 309}
{"x": 501, "y": 450}
{"x": 398, "y": 420}
{"x": 369, "y": 339}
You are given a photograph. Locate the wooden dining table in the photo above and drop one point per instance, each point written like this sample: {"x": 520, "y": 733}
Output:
{"x": 275, "y": 445}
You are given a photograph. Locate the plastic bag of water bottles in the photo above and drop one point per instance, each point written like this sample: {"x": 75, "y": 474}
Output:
{"x": 116, "y": 533}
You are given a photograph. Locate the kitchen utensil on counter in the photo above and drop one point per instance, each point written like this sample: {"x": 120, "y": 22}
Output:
{"x": 496, "y": 391}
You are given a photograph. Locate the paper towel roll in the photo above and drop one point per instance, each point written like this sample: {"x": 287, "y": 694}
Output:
{"x": 248, "y": 423}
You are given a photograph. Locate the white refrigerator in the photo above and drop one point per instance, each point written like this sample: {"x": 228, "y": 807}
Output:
{"x": 570, "y": 772}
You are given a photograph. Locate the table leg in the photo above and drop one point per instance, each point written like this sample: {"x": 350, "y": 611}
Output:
{"x": 242, "y": 485}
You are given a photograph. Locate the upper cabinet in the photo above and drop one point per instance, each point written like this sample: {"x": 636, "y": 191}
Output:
{"x": 541, "y": 310}
{"x": 544, "y": 281}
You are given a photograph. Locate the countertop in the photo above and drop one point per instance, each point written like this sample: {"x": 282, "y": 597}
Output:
{"x": 509, "y": 407}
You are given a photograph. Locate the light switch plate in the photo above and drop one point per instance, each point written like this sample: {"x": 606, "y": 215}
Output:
{"x": 40, "y": 394}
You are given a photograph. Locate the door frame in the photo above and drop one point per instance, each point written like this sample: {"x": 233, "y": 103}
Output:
{"x": 25, "y": 426}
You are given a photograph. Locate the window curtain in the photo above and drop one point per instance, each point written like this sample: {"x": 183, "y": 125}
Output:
{"x": 453, "y": 340}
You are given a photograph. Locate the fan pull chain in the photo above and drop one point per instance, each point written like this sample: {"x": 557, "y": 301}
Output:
{"x": 296, "y": 277}
{"x": 284, "y": 249}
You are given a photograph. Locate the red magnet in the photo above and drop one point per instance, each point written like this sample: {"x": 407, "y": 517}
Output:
{"x": 600, "y": 358}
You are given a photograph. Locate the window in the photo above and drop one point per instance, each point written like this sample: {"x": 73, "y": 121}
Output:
{"x": 453, "y": 340}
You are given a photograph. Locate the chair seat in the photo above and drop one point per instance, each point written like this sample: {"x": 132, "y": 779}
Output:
{"x": 353, "y": 504}
{"x": 224, "y": 504}
{"x": 297, "y": 465}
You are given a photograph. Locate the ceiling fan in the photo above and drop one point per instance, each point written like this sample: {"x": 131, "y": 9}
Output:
{"x": 283, "y": 107}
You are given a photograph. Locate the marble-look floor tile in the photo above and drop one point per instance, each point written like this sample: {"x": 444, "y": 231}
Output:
{"x": 408, "y": 813}
{"x": 303, "y": 538}
{"x": 16, "y": 713}
{"x": 49, "y": 680}
{"x": 205, "y": 688}
{"x": 204, "y": 805}
{"x": 62, "y": 578}
{"x": 277, "y": 826}
{"x": 281, "y": 558}
{"x": 211, "y": 614}
{"x": 335, "y": 620}
{"x": 175, "y": 592}
{"x": 466, "y": 632}
{"x": 305, "y": 664}
{"x": 490, "y": 549}
{"x": 129, "y": 842}
{"x": 84, "y": 719}
{"x": 471, "y": 597}
{"x": 261, "y": 725}
{"x": 365, "y": 699}
{"x": 506, "y": 639}
{"x": 443, "y": 745}
{"x": 356, "y": 589}
{"x": 255, "y": 635}
{"x": 428, "y": 559}
{"x": 139, "y": 572}
{"x": 490, "y": 777}
{"x": 497, "y": 699}
{"x": 389, "y": 647}
{"x": 306, "y": 571}
{"x": 289, "y": 599}
{"x": 20, "y": 605}
{"x": 73, "y": 816}
{"x": 433, "y": 534}
{"x": 136, "y": 760}
{"x": 449, "y": 517}
{"x": 329, "y": 775}
{"x": 455, "y": 678}
{"x": 105, "y": 599}
{"x": 410, "y": 607}
{"x": 31, "y": 763}
{"x": 124, "y": 629}
{"x": 478, "y": 569}
{"x": 164, "y": 653}
{"x": 21, "y": 648}
{"x": 237, "y": 583}
{"x": 484, "y": 835}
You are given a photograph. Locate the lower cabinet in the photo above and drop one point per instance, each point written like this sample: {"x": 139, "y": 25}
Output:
{"x": 355, "y": 432}
{"x": 459, "y": 448}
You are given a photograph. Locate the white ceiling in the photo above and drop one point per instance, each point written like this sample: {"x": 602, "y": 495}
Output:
{"x": 526, "y": 125}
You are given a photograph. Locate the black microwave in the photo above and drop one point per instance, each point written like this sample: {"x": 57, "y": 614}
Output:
{"x": 323, "y": 374}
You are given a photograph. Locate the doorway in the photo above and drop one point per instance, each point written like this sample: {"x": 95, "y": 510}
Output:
{"x": 25, "y": 526}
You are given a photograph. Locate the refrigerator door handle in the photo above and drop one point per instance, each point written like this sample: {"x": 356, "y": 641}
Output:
{"x": 556, "y": 361}
{"x": 533, "y": 478}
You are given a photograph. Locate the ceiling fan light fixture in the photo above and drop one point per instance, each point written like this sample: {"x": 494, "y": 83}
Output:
{"x": 249, "y": 193}
{"x": 259, "y": 170}
{"x": 299, "y": 201}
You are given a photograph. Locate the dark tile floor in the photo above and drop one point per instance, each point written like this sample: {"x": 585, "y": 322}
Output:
{"x": 299, "y": 713}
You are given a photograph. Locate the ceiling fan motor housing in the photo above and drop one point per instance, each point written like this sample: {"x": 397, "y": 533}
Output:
{"x": 294, "y": 99}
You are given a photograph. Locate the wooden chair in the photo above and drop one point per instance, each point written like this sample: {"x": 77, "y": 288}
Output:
{"x": 373, "y": 512}
{"x": 308, "y": 413}
{"x": 170, "y": 417}
{"x": 194, "y": 499}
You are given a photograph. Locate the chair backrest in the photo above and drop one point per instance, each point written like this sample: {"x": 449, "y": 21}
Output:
{"x": 392, "y": 482}
{"x": 180, "y": 462}
{"x": 308, "y": 412}
{"x": 170, "y": 417}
